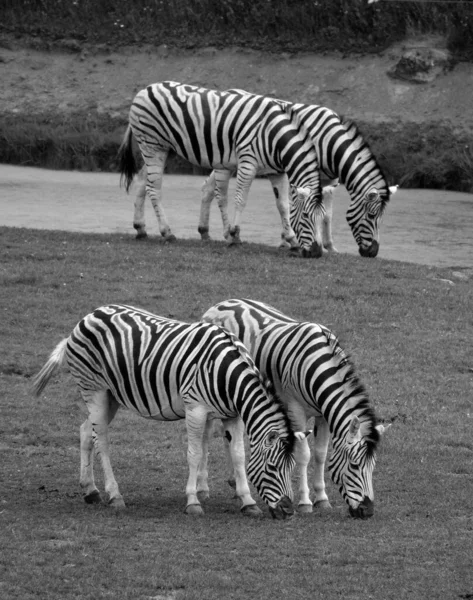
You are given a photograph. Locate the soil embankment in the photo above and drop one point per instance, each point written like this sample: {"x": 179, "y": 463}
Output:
{"x": 68, "y": 108}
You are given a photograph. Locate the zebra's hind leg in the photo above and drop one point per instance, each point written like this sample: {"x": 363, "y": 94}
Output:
{"x": 235, "y": 449}
{"x": 102, "y": 408}
{"x": 87, "y": 482}
{"x": 321, "y": 441}
{"x": 139, "y": 214}
{"x": 155, "y": 160}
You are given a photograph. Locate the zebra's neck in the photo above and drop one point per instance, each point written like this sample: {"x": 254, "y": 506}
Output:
{"x": 342, "y": 151}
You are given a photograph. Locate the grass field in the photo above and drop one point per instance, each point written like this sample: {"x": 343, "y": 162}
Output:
{"x": 409, "y": 331}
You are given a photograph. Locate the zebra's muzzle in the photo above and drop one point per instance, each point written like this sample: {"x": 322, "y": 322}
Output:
{"x": 370, "y": 252}
{"x": 283, "y": 509}
{"x": 364, "y": 510}
{"x": 315, "y": 251}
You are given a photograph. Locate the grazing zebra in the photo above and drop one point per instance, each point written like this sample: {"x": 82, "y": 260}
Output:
{"x": 225, "y": 130}
{"x": 314, "y": 378}
{"x": 342, "y": 153}
{"x": 166, "y": 370}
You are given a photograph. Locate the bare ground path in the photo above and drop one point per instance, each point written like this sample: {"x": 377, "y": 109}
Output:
{"x": 422, "y": 226}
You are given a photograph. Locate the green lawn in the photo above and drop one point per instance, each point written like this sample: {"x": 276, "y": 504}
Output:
{"x": 409, "y": 330}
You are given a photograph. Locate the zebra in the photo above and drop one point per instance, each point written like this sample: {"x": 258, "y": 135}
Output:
{"x": 314, "y": 377}
{"x": 166, "y": 370}
{"x": 208, "y": 191}
{"x": 225, "y": 130}
{"x": 342, "y": 154}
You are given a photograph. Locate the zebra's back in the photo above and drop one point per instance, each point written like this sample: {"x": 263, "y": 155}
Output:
{"x": 149, "y": 363}
{"x": 207, "y": 127}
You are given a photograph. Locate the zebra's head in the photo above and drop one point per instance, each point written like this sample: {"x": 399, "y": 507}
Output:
{"x": 364, "y": 217}
{"x": 351, "y": 467}
{"x": 306, "y": 213}
{"x": 271, "y": 457}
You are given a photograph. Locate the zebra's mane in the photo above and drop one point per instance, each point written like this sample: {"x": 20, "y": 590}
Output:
{"x": 357, "y": 394}
{"x": 360, "y": 144}
{"x": 265, "y": 381}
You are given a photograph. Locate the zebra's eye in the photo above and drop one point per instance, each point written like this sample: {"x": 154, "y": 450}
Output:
{"x": 272, "y": 437}
{"x": 355, "y": 467}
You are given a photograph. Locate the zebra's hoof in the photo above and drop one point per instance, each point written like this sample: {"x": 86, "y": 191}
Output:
{"x": 93, "y": 498}
{"x": 141, "y": 235}
{"x": 251, "y": 510}
{"x": 194, "y": 510}
{"x": 323, "y": 505}
{"x": 117, "y": 503}
{"x": 169, "y": 239}
{"x": 203, "y": 495}
{"x": 304, "y": 509}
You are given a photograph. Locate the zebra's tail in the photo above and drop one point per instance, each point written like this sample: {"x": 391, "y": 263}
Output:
{"x": 55, "y": 361}
{"x": 126, "y": 159}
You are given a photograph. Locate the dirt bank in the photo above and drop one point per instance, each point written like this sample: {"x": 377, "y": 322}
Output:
{"x": 84, "y": 95}
{"x": 98, "y": 78}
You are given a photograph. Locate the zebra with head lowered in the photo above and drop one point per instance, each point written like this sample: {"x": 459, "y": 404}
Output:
{"x": 166, "y": 370}
{"x": 341, "y": 153}
{"x": 314, "y": 378}
{"x": 225, "y": 131}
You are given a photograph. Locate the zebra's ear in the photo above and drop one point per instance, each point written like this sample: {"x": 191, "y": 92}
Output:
{"x": 354, "y": 429}
{"x": 393, "y": 188}
{"x": 383, "y": 428}
{"x": 302, "y": 193}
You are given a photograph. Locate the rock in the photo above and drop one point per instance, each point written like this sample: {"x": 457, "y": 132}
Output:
{"x": 421, "y": 65}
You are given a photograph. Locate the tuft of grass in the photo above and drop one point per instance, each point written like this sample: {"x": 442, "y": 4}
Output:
{"x": 409, "y": 336}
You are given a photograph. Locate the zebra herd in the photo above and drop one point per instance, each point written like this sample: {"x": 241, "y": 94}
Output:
{"x": 244, "y": 363}
{"x": 251, "y": 134}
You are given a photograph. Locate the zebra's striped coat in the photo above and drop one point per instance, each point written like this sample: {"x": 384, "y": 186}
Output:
{"x": 225, "y": 131}
{"x": 314, "y": 377}
{"x": 166, "y": 370}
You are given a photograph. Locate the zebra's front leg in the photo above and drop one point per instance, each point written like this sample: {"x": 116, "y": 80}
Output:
{"x": 140, "y": 198}
{"x": 222, "y": 181}
{"x": 196, "y": 424}
{"x": 327, "y": 198}
{"x": 280, "y": 184}
{"x": 208, "y": 190}
{"x": 235, "y": 450}
{"x": 203, "y": 471}
{"x": 321, "y": 441}
{"x": 155, "y": 163}
{"x": 302, "y": 458}
{"x": 102, "y": 408}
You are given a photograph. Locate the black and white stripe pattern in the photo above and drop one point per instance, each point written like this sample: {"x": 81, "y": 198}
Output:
{"x": 227, "y": 131}
{"x": 314, "y": 377}
{"x": 166, "y": 370}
